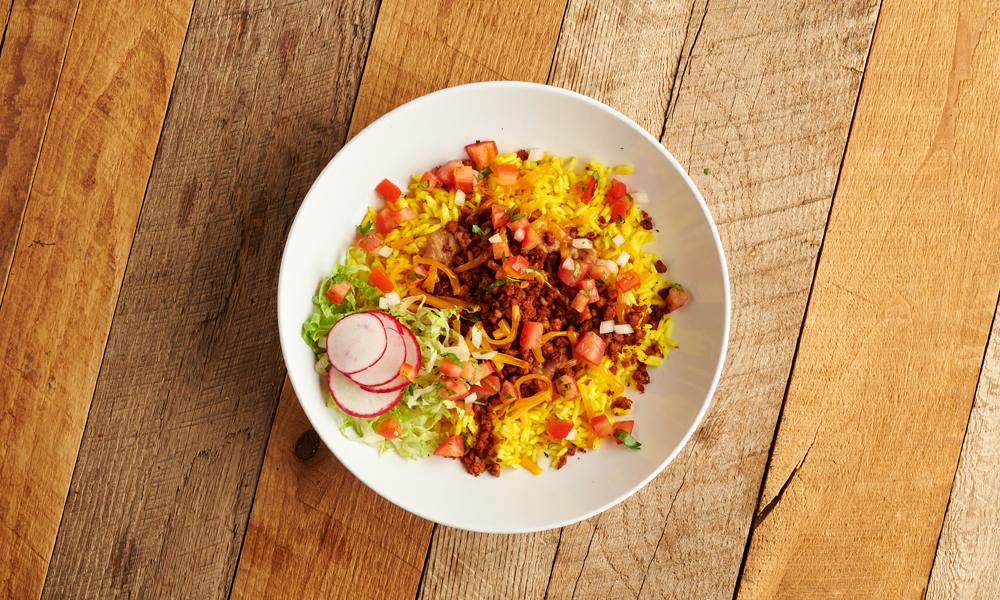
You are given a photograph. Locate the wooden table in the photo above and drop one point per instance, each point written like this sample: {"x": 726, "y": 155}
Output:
{"x": 153, "y": 154}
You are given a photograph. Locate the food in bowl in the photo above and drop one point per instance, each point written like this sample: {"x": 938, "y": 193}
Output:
{"x": 495, "y": 312}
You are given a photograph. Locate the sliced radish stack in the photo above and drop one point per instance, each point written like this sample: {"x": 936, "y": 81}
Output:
{"x": 358, "y": 402}
{"x": 356, "y": 342}
{"x": 413, "y": 359}
{"x": 387, "y": 367}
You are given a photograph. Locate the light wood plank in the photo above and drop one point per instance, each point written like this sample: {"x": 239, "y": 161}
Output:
{"x": 69, "y": 260}
{"x": 34, "y": 44}
{"x": 167, "y": 470}
{"x": 411, "y": 54}
{"x": 879, "y": 399}
{"x": 965, "y": 565}
{"x": 763, "y": 99}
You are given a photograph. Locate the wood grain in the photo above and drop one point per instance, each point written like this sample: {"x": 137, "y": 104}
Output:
{"x": 169, "y": 461}
{"x": 75, "y": 237}
{"x": 768, "y": 113}
{"x": 408, "y": 37}
{"x": 34, "y": 40}
{"x": 884, "y": 379}
{"x": 966, "y": 559}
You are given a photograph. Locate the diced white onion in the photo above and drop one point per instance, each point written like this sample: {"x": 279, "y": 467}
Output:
{"x": 607, "y": 326}
{"x": 640, "y": 197}
{"x": 519, "y": 234}
{"x": 477, "y": 336}
{"x": 618, "y": 240}
{"x": 392, "y": 298}
{"x": 471, "y": 397}
{"x": 484, "y": 355}
{"x": 459, "y": 198}
{"x": 571, "y": 435}
{"x": 610, "y": 265}
{"x": 536, "y": 154}
{"x": 321, "y": 342}
{"x": 496, "y": 238}
{"x": 623, "y": 328}
{"x": 623, "y": 258}
{"x": 383, "y": 303}
{"x": 384, "y": 251}
{"x": 582, "y": 243}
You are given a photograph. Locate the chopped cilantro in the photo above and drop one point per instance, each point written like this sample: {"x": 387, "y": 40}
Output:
{"x": 707, "y": 170}
{"x": 365, "y": 228}
{"x": 476, "y": 229}
{"x": 484, "y": 173}
{"x": 517, "y": 217}
{"x": 497, "y": 284}
{"x": 677, "y": 287}
{"x": 576, "y": 270}
{"x": 626, "y": 439}
{"x": 472, "y": 319}
{"x": 452, "y": 357}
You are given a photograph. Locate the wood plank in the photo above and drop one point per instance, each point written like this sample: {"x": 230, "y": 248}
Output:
{"x": 408, "y": 37}
{"x": 162, "y": 490}
{"x": 879, "y": 399}
{"x": 34, "y": 40}
{"x": 75, "y": 237}
{"x": 764, "y": 100}
{"x": 966, "y": 559}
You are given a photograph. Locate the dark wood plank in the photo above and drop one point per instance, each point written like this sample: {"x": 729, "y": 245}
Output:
{"x": 380, "y": 555}
{"x": 161, "y": 493}
{"x": 871, "y": 431}
{"x": 34, "y": 39}
{"x": 763, "y": 98}
{"x": 76, "y": 232}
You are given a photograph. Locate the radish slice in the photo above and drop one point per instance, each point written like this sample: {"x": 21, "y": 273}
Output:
{"x": 356, "y": 343}
{"x": 358, "y": 402}
{"x": 387, "y": 367}
{"x": 413, "y": 358}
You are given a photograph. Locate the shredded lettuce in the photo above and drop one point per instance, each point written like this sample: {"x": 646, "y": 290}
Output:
{"x": 423, "y": 415}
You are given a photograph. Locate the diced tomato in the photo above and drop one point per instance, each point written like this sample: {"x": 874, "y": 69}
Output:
{"x": 482, "y": 153}
{"x": 481, "y": 370}
{"x": 507, "y": 392}
{"x": 566, "y": 386}
{"x": 337, "y": 291}
{"x": 454, "y": 389}
{"x": 404, "y": 214}
{"x": 449, "y": 368}
{"x": 429, "y": 181}
{"x": 488, "y": 387}
{"x": 501, "y": 249}
{"x": 380, "y": 279}
{"x": 418, "y": 274}
{"x": 468, "y": 370}
{"x": 369, "y": 242}
{"x": 388, "y": 428}
{"x": 388, "y": 190}
{"x": 531, "y": 238}
{"x": 586, "y": 188}
{"x": 558, "y": 428}
{"x": 531, "y": 335}
{"x": 465, "y": 179}
{"x": 601, "y": 426}
{"x": 572, "y": 272}
{"x": 625, "y": 426}
{"x": 505, "y": 174}
{"x": 499, "y": 216}
{"x": 580, "y": 301}
{"x": 453, "y": 447}
{"x": 600, "y": 273}
{"x": 628, "y": 280}
{"x": 617, "y": 190}
{"x": 446, "y": 173}
{"x": 590, "y": 347}
{"x": 589, "y": 286}
{"x": 515, "y": 265}
{"x": 619, "y": 207}
{"x": 385, "y": 220}
{"x": 520, "y": 223}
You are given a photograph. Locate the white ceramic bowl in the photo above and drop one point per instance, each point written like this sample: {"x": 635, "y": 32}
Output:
{"x": 432, "y": 129}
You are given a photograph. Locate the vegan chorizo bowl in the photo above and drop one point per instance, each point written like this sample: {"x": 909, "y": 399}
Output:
{"x": 508, "y": 281}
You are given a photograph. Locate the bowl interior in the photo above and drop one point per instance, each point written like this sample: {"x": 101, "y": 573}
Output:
{"x": 430, "y": 130}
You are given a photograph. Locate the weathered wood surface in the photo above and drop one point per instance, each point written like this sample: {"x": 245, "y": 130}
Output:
{"x": 768, "y": 112}
{"x": 173, "y": 447}
{"x": 872, "y": 427}
{"x": 303, "y": 509}
{"x": 966, "y": 562}
{"x": 85, "y": 193}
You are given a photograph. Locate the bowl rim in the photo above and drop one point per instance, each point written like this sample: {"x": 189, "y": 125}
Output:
{"x": 311, "y": 414}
